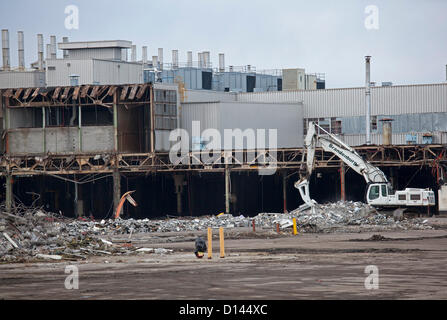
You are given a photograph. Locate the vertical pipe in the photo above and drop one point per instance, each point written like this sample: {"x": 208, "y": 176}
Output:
{"x": 342, "y": 182}
{"x": 115, "y": 120}
{"x": 40, "y": 51}
{"x": 65, "y": 52}
{"x": 5, "y": 50}
{"x": 152, "y": 119}
{"x": 44, "y": 131}
{"x": 133, "y": 56}
{"x": 189, "y": 59}
{"x": 80, "y": 128}
{"x": 227, "y": 190}
{"x": 160, "y": 57}
{"x": 368, "y": 99}
{"x": 48, "y": 51}
{"x": 155, "y": 62}
{"x": 53, "y": 47}
{"x": 116, "y": 189}
{"x": 144, "y": 55}
{"x": 21, "y": 50}
{"x": 8, "y": 195}
{"x": 222, "y": 242}
{"x": 221, "y": 62}
{"x": 174, "y": 59}
{"x": 210, "y": 243}
{"x": 206, "y": 59}
{"x": 200, "y": 59}
{"x": 284, "y": 191}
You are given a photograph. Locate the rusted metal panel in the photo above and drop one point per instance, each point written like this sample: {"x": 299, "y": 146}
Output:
{"x": 27, "y": 93}
{"x": 142, "y": 91}
{"x": 56, "y": 92}
{"x": 133, "y": 92}
{"x": 18, "y": 92}
{"x": 124, "y": 93}
{"x": 35, "y": 93}
{"x": 84, "y": 91}
{"x": 65, "y": 93}
{"x": 76, "y": 93}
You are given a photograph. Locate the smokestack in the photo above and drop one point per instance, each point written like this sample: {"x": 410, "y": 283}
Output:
{"x": 144, "y": 55}
{"x": 189, "y": 59}
{"x": 206, "y": 59}
{"x": 221, "y": 62}
{"x": 175, "y": 59}
{"x": 5, "y": 50}
{"x": 21, "y": 50}
{"x": 53, "y": 54}
{"x": 160, "y": 57}
{"x": 133, "y": 56}
{"x": 368, "y": 99}
{"x": 40, "y": 51}
{"x": 48, "y": 51}
{"x": 155, "y": 61}
{"x": 200, "y": 58}
{"x": 65, "y": 52}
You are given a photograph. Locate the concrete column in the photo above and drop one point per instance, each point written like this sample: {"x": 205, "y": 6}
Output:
{"x": 342, "y": 183}
{"x": 8, "y": 197}
{"x": 227, "y": 190}
{"x": 284, "y": 190}
{"x": 116, "y": 189}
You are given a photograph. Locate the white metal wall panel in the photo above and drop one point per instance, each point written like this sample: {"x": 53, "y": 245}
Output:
{"x": 208, "y": 96}
{"x": 96, "y": 53}
{"x": 114, "y": 72}
{"x": 351, "y": 101}
{"x": 397, "y": 138}
{"x": 26, "y": 79}
{"x": 59, "y": 76}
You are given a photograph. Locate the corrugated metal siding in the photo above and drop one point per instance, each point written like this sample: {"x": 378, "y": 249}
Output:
{"x": 67, "y": 67}
{"x": 351, "y": 101}
{"x": 208, "y": 96}
{"x": 96, "y": 53}
{"x": 231, "y": 115}
{"x": 108, "y": 72}
{"x": 25, "y": 79}
{"x": 397, "y": 138}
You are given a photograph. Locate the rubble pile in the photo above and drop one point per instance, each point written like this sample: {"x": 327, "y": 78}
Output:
{"x": 33, "y": 232}
{"x": 36, "y": 233}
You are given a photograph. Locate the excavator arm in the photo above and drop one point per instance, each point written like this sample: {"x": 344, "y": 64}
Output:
{"x": 348, "y": 155}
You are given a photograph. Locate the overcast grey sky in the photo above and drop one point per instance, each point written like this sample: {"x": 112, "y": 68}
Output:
{"x": 325, "y": 36}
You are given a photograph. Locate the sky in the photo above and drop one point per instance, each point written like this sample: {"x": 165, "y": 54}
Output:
{"x": 408, "y": 41}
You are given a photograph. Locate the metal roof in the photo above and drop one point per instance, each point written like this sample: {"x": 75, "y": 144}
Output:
{"x": 94, "y": 44}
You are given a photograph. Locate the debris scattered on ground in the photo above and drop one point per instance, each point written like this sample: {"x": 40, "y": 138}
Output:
{"x": 35, "y": 233}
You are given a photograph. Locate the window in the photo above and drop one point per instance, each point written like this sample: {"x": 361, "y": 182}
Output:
{"x": 374, "y": 192}
{"x": 335, "y": 126}
{"x": 61, "y": 116}
{"x": 415, "y": 197}
{"x": 402, "y": 197}
{"x": 384, "y": 190}
{"x": 373, "y": 123}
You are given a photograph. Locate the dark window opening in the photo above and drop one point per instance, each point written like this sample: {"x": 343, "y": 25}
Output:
{"x": 96, "y": 116}
{"x": 251, "y": 83}
{"x": 61, "y": 116}
{"x": 207, "y": 80}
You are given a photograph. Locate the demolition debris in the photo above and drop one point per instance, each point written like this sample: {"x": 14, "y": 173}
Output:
{"x": 33, "y": 233}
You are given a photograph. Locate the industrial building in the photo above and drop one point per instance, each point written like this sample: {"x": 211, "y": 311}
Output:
{"x": 80, "y": 130}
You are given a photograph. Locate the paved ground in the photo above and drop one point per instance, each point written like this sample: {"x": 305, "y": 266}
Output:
{"x": 411, "y": 264}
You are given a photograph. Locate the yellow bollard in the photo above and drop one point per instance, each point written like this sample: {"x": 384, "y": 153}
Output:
{"x": 221, "y": 238}
{"x": 210, "y": 243}
{"x": 295, "y": 232}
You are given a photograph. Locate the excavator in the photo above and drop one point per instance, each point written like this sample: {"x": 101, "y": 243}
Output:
{"x": 379, "y": 192}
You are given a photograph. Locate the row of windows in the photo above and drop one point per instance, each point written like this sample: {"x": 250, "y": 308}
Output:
{"x": 165, "y": 123}
{"x": 332, "y": 125}
{"x": 169, "y": 96}
{"x": 165, "y": 109}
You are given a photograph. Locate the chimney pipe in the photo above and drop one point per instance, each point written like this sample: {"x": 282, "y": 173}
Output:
{"x": 40, "y": 51}
{"x": 206, "y": 59}
{"x": 144, "y": 55}
{"x": 155, "y": 61}
{"x": 134, "y": 53}
{"x": 200, "y": 58}
{"x": 21, "y": 50}
{"x": 189, "y": 59}
{"x": 368, "y": 99}
{"x": 53, "y": 47}
{"x": 5, "y": 50}
{"x": 221, "y": 62}
{"x": 160, "y": 57}
{"x": 48, "y": 51}
{"x": 174, "y": 59}
{"x": 65, "y": 52}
